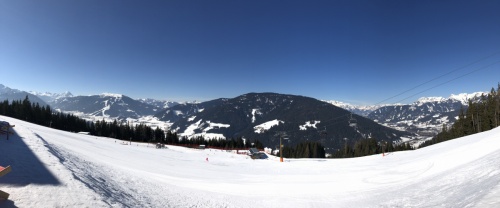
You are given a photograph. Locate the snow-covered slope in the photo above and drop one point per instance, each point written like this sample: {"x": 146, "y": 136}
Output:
{"x": 52, "y": 168}
{"x": 426, "y": 116}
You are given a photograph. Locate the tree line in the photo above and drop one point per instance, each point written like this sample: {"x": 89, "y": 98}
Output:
{"x": 42, "y": 115}
{"x": 45, "y": 116}
{"x": 360, "y": 148}
{"x": 369, "y": 146}
{"x": 306, "y": 149}
{"x": 482, "y": 115}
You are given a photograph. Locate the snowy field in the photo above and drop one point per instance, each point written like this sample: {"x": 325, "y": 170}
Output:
{"x": 52, "y": 168}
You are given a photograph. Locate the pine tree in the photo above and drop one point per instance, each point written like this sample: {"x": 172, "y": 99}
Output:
{"x": 480, "y": 116}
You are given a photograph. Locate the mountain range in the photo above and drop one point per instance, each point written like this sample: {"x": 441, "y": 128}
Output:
{"x": 7, "y": 93}
{"x": 262, "y": 115}
{"x": 362, "y": 110}
{"x": 424, "y": 117}
{"x": 106, "y": 105}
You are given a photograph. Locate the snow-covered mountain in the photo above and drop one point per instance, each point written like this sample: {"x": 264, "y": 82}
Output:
{"x": 159, "y": 104}
{"x": 462, "y": 98}
{"x": 261, "y": 115}
{"x": 49, "y": 97}
{"x": 426, "y": 116}
{"x": 362, "y": 110}
{"x": 104, "y": 106}
{"x": 7, "y": 93}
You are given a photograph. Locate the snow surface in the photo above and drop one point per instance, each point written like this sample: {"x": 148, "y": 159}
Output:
{"x": 190, "y": 131}
{"x": 191, "y": 118}
{"x": 261, "y": 128}
{"x": 52, "y": 168}
{"x": 212, "y": 125}
{"x": 255, "y": 111}
{"x": 311, "y": 124}
{"x": 191, "y": 128}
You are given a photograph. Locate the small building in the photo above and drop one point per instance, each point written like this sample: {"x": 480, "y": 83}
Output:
{"x": 256, "y": 154}
{"x": 202, "y": 147}
{"x": 253, "y": 151}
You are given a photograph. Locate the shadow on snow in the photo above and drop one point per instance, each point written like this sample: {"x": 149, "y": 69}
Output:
{"x": 26, "y": 167}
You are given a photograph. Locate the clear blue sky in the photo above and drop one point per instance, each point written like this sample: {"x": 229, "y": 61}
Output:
{"x": 360, "y": 52}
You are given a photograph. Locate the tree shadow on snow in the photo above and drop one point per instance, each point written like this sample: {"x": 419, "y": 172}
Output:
{"x": 26, "y": 167}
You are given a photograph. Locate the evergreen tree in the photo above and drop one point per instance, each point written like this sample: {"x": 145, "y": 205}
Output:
{"x": 480, "y": 116}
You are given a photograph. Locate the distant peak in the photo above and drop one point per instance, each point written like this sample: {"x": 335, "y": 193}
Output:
{"x": 462, "y": 97}
{"x": 111, "y": 95}
{"x": 5, "y": 89}
{"x": 349, "y": 106}
{"x": 67, "y": 94}
{"x": 465, "y": 97}
{"x": 430, "y": 99}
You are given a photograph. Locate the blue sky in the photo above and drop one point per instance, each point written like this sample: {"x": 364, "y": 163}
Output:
{"x": 360, "y": 52}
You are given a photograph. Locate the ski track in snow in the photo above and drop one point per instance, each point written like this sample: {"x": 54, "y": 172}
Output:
{"x": 453, "y": 185}
{"x": 109, "y": 186}
{"x": 60, "y": 169}
{"x": 96, "y": 178}
{"x": 123, "y": 189}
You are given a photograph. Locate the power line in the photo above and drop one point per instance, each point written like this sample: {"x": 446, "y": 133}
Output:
{"x": 440, "y": 76}
{"x": 433, "y": 87}
{"x": 438, "y": 85}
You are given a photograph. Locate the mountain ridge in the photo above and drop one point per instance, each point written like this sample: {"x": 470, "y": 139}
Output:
{"x": 424, "y": 117}
{"x": 302, "y": 118}
{"x": 433, "y": 111}
{"x": 10, "y": 94}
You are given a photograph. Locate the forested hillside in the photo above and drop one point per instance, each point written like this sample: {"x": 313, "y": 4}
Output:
{"x": 480, "y": 116}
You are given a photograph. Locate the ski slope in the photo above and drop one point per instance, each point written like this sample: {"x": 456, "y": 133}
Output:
{"x": 52, "y": 168}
